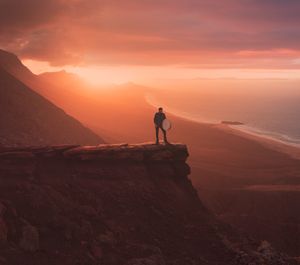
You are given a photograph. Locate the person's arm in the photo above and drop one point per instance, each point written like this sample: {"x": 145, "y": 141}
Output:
{"x": 164, "y": 116}
{"x": 155, "y": 119}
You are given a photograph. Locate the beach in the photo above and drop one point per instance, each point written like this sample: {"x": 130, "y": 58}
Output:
{"x": 293, "y": 150}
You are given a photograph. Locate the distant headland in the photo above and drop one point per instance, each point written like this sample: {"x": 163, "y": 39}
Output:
{"x": 232, "y": 122}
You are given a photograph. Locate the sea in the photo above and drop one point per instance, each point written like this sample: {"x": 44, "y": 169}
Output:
{"x": 271, "y": 113}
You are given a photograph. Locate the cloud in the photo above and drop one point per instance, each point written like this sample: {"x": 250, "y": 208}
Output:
{"x": 143, "y": 32}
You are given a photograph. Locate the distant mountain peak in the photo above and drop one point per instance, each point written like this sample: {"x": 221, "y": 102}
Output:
{"x": 61, "y": 77}
{"x": 60, "y": 73}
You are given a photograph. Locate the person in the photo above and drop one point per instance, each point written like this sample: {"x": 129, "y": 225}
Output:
{"x": 159, "y": 117}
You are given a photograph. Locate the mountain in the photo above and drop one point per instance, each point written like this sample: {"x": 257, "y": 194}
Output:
{"x": 98, "y": 108}
{"x": 113, "y": 205}
{"x": 41, "y": 84}
{"x": 27, "y": 118}
{"x": 62, "y": 78}
{"x": 13, "y": 65}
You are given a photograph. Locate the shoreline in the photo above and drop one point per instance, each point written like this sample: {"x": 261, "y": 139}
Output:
{"x": 268, "y": 141}
{"x": 278, "y": 137}
{"x": 289, "y": 148}
{"x": 284, "y": 139}
{"x": 292, "y": 150}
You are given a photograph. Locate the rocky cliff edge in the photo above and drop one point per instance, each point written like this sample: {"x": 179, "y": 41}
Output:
{"x": 114, "y": 205}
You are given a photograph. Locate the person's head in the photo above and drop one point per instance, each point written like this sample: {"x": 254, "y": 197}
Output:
{"x": 160, "y": 109}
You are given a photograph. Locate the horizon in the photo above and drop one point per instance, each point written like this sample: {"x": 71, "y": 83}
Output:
{"x": 102, "y": 75}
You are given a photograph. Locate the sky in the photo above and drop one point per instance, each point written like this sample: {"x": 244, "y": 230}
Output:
{"x": 138, "y": 40}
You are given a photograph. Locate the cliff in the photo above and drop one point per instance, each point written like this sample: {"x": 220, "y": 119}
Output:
{"x": 111, "y": 204}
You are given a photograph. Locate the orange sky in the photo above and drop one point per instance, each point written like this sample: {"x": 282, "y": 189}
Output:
{"x": 118, "y": 41}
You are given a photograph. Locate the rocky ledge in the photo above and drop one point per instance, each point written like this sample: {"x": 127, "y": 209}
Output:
{"x": 112, "y": 204}
{"x": 103, "y": 152}
{"x": 65, "y": 162}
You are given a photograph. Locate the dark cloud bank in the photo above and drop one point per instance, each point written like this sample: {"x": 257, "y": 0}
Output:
{"x": 151, "y": 32}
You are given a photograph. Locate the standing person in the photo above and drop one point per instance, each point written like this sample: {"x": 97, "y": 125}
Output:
{"x": 159, "y": 117}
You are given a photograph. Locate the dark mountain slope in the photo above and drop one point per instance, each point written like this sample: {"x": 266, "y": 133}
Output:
{"x": 12, "y": 64}
{"x": 27, "y": 118}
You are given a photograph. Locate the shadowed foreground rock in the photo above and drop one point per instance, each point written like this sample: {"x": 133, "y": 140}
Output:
{"x": 112, "y": 204}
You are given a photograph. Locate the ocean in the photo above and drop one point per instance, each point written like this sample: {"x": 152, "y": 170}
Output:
{"x": 263, "y": 111}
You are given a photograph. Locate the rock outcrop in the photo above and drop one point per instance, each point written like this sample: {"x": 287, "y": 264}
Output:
{"x": 110, "y": 204}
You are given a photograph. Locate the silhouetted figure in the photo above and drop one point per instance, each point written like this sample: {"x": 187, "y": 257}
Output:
{"x": 159, "y": 117}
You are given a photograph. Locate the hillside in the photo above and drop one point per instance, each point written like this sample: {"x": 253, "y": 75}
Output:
{"x": 112, "y": 204}
{"x": 13, "y": 65}
{"x": 27, "y": 118}
{"x": 48, "y": 85}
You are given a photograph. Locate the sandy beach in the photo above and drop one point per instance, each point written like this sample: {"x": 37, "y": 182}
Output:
{"x": 292, "y": 150}
{"x": 221, "y": 156}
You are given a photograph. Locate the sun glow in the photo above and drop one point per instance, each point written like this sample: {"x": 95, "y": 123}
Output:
{"x": 155, "y": 75}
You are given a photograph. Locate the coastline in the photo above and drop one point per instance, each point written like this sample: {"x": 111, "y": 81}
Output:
{"x": 269, "y": 135}
{"x": 290, "y": 148}
{"x": 293, "y": 150}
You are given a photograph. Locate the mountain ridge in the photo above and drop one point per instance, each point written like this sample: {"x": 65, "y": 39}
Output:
{"x": 27, "y": 118}
{"x": 13, "y": 65}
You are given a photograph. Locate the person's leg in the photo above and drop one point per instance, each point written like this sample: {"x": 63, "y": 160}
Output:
{"x": 165, "y": 135}
{"x": 156, "y": 134}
